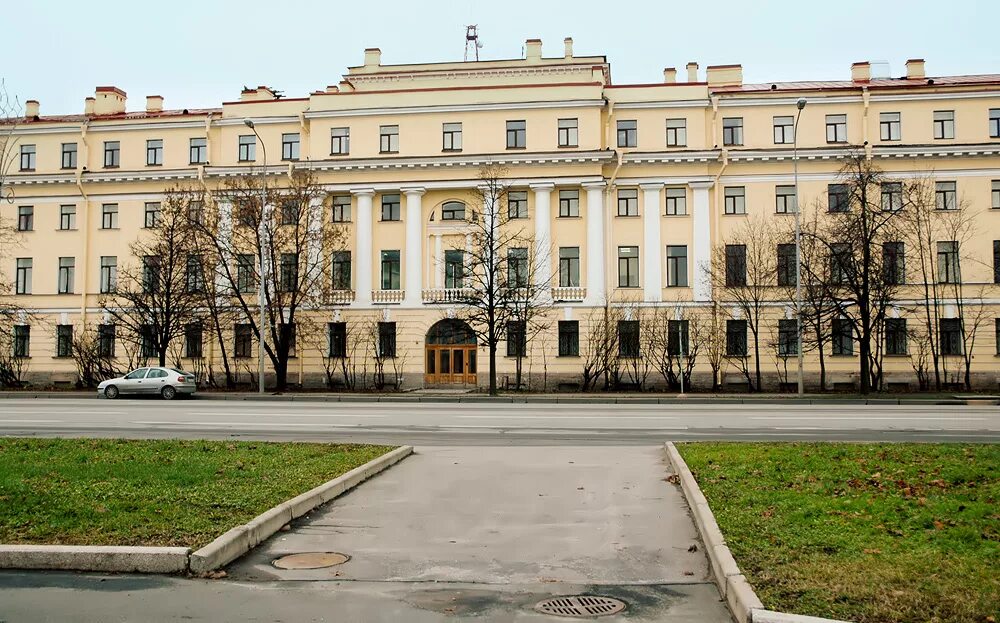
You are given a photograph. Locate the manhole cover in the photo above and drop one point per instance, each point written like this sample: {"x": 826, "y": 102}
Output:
{"x": 581, "y": 606}
{"x": 310, "y": 560}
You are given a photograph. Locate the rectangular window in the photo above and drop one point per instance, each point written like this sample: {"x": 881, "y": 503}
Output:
{"x": 193, "y": 340}
{"x": 248, "y": 148}
{"x": 25, "y": 218}
{"x": 390, "y": 208}
{"x": 889, "y": 126}
{"x": 628, "y": 338}
{"x": 112, "y": 154}
{"x": 23, "y": 277}
{"x": 996, "y": 329}
{"x": 387, "y": 339}
{"x": 289, "y": 212}
{"x": 628, "y": 202}
{"x": 736, "y": 265}
{"x": 341, "y": 270}
{"x": 517, "y": 204}
{"x": 895, "y": 336}
{"x": 451, "y": 137}
{"x": 842, "y": 338}
{"x": 106, "y": 340}
{"x": 27, "y": 157}
{"x": 454, "y": 269}
{"x": 994, "y": 122}
{"x": 22, "y": 340}
{"x": 337, "y": 340}
{"x": 569, "y": 267}
{"x": 287, "y": 333}
{"x": 996, "y": 261}
{"x": 944, "y": 124}
{"x": 836, "y": 128}
{"x": 788, "y": 338}
{"x": 388, "y": 139}
{"x": 194, "y": 274}
{"x": 995, "y": 196}
{"x": 568, "y": 133}
{"x": 892, "y": 196}
{"x": 109, "y": 273}
{"x": 154, "y": 152}
{"x": 341, "y": 205}
{"x": 196, "y": 212}
{"x": 736, "y": 338}
{"x": 289, "y": 272}
{"x": 246, "y": 273}
{"x": 67, "y": 274}
{"x": 951, "y": 336}
{"x": 516, "y": 135}
{"x": 453, "y": 211}
{"x": 569, "y": 203}
{"x": 290, "y": 146}
{"x": 677, "y": 338}
{"x": 837, "y": 198}
{"x": 676, "y": 201}
{"x": 517, "y": 342}
{"x": 67, "y": 217}
{"x": 150, "y": 274}
{"x": 677, "y": 133}
{"x": 64, "y": 340}
{"x": 786, "y": 264}
{"x": 69, "y": 155}
{"x": 893, "y": 263}
{"x": 945, "y": 196}
{"x": 340, "y": 141}
{"x": 677, "y": 266}
{"x": 732, "y": 131}
{"x": 841, "y": 263}
{"x": 947, "y": 256}
{"x": 390, "y": 270}
{"x": 784, "y": 130}
{"x": 569, "y": 338}
{"x": 198, "y": 151}
{"x": 243, "y": 341}
{"x": 736, "y": 200}
{"x": 628, "y": 267}
{"x": 517, "y": 267}
{"x": 628, "y": 133}
{"x": 152, "y": 214}
{"x": 784, "y": 200}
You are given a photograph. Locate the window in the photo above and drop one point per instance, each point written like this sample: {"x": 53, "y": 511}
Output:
{"x": 568, "y": 133}
{"x": 836, "y": 128}
{"x": 243, "y": 347}
{"x": 786, "y": 264}
{"x": 196, "y": 212}
{"x": 22, "y": 340}
{"x": 994, "y": 122}
{"x": 152, "y": 214}
{"x": 784, "y": 130}
{"x": 995, "y": 203}
{"x": 286, "y": 332}
{"x": 893, "y": 263}
{"x": 517, "y": 267}
{"x": 109, "y": 273}
{"x": 451, "y": 137}
{"x": 387, "y": 339}
{"x": 248, "y": 147}
{"x": 67, "y": 273}
{"x": 27, "y": 157}
{"x": 290, "y": 146}
{"x": 627, "y": 133}
{"x": 69, "y": 155}
{"x": 732, "y": 131}
{"x": 193, "y": 340}
{"x": 677, "y": 133}
{"x": 25, "y": 218}
{"x": 677, "y": 338}
{"x": 289, "y": 212}
{"x": 996, "y": 261}
{"x": 389, "y": 139}
{"x": 951, "y": 336}
{"x": 390, "y": 270}
{"x": 198, "y": 151}
{"x": 390, "y": 207}
{"x": 112, "y": 154}
{"x": 843, "y": 344}
{"x": 945, "y": 196}
{"x": 341, "y": 270}
{"x": 341, "y": 205}
{"x": 736, "y": 338}
{"x": 289, "y": 272}
{"x": 628, "y": 338}
{"x": 837, "y": 198}
{"x": 336, "y": 339}
{"x": 996, "y": 329}
{"x": 676, "y": 202}
{"x": 154, "y": 152}
{"x": 23, "y": 275}
{"x": 246, "y": 212}
{"x": 788, "y": 338}
{"x": 106, "y": 340}
{"x": 840, "y": 263}
{"x": 628, "y": 267}
{"x": 628, "y": 202}
{"x": 453, "y": 211}
{"x": 569, "y": 267}
{"x": 569, "y": 338}
{"x": 67, "y": 217}
{"x": 944, "y": 124}
{"x": 677, "y": 266}
{"x": 892, "y": 196}
{"x": 569, "y": 203}
{"x": 516, "y": 135}
{"x": 517, "y": 204}
{"x": 888, "y": 124}
{"x": 340, "y": 141}
{"x": 194, "y": 274}
{"x": 64, "y": 340}
{"x": 109, "y": 216}
{"x": 454, "y": 269}
{"x": 150, "y": 274}
{"x": 736, "y": 200}
{"x": 736, "y": 265}
{"x": 784, "y": 200}
{"x": 246, "y": 275}
{"x": 517, "y": 339}
{"x": 948, "y": 268}
{"x": 895, "y": 336}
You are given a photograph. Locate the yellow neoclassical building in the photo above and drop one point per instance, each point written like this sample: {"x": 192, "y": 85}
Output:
{"x": 633, "y": 188}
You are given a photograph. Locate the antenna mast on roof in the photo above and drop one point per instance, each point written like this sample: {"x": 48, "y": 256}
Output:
{"x": 472, "y": 42}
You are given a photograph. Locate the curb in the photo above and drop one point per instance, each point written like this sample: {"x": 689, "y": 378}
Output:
{"x": 112, "y": 558}
{"x": 743, "y": 602}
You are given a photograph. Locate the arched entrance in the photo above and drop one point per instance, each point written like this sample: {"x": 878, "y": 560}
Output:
{"x": 450, "y": 354}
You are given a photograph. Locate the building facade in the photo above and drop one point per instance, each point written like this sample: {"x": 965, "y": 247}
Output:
{"x": 630, "y": 188}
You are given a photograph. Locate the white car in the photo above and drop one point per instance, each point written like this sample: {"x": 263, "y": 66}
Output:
{"x": 167, "y": 382}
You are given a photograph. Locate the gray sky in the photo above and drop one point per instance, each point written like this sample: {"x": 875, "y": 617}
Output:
{"x": 202, "y": 52}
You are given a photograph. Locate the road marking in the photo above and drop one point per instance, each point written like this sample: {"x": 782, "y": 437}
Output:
{"x": 288, "y": 415}
{"x": 250, "y": 424}
{"x": 569, "y": 417}
{"x": 29, "y": 421}
{"x": 864, "y": 417}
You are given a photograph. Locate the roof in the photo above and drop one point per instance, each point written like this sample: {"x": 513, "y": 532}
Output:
{"x": 877, "y": 83}
{"x": 124, "y": 116}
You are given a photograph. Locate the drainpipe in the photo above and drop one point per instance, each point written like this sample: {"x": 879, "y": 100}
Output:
{"x": 80, "y": 165}
{"x": 865, "y": 97}
{"x": 724, "y": 158}
{"x": 608, "y": 221}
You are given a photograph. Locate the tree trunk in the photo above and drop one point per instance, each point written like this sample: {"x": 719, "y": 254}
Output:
{"x": 756, "y": 360}
{"x": 493, "y": 369}
{"x": 822, "y": 358}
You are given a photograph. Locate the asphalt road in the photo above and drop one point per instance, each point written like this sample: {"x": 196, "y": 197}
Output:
{"x": 494, "y": 424}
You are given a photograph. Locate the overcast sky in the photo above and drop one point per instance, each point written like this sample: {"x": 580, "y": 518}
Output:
{"x": 201, "y": 53}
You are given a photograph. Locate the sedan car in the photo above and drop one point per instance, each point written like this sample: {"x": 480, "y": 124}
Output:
{"x": 167, "y": 382}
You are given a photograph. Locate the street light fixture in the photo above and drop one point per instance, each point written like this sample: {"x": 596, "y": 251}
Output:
{"x": 798, "y": 243}
{"x": 261, "y": 232}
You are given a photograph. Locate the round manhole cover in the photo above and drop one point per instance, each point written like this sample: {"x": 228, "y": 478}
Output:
{"x": 581, "y": 606}
{"x": 310, "y": 560}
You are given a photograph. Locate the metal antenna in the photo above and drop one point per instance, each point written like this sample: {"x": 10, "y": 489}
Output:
{"x": 472, "y": 42}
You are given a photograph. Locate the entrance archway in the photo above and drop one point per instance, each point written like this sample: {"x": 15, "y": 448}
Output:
{"x": 450, "y": 354}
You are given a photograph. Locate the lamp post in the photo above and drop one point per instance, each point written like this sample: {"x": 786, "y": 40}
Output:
{"x": 798, "y": 241}
{"x": 261, "y": 233}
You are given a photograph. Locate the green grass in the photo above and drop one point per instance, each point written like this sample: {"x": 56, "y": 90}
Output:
{"x": 121, "y": 492}
{"x": 886, "y": 533}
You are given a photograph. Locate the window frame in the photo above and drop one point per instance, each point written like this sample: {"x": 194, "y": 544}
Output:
{"x": 290, "y": 146}
{"x": 112, "y": 154}
{"x": 629, "y": 254}
{"x": 629, "y": 339}
{"x": 336, "y": 340}
{"x": 29, "y": 157}
{"x": 732, "y": 131}
{"x": 387, "y": 340}
{"x": 109, "y": 216}
{"x": 247, "y": 148}
{"x": 896, "y": 342}
{"x": 568, "y": 132}
{"x": 394, "y": 207}
{"x": 340, "y": 270}
{"x": 108, "y": 282}
{"x": 517, "y": 267}
{"x": 994, "y": 117}
{"x": 388, "y": 139}
{"x": 198, "y": 150}
{"x": 676, "y": 197}
{"x": 66, "y": 282}
{"x": 569, "y": 338}
{"x": 783, "y": 196}
{"x": 516, "y": 338}
{"x": 194, "y": 340}
{"x": 151, "y": 214}
{"x": 785, "y": 264}
{"x": 340, "y": 210}
{"x": 628, "y": 198}
{"x": 71, "y": 153}
{"x": 890, "y": 129}
{"x": 841, "y": 338}
{"x": 451, "y": 136}
{"x": 945, "y": 195}
{"x": 944, "y": 128}
{"x": 67, "y": 217}
{"x": 788, "y": 337}
{"x": 21, "y": 341}
{"x": 390, "y": 270}
{"x": 26, "y": 218}
{"x": 627, "y": 133}
{"x": 837, "y": 126}
{"x": 950, "y": 342}
{"x": 569, "y": 203}
{"x": 949, "y": 269}
{"x": 569, "y": 267}
{"x": 454, "y": 269}
{"x": 677, "y": 266}
{"x": 736, "y": 338}
{"x": 517, "y": 206}
{"x": 679, "y": 138}
{"x": 735, "y": 202}
{"x": 340, "y": 144}
{"x": 23, "y": 269}
{"x": 517, "y": 134}
{"x": 452, "y": 213}
{"x": 64, "y": 342}
{"x": 154, "y": 152}
{"x": 843, "y": 203}
{"x": 242, "y": 340}
{"x": 783, "y": 129}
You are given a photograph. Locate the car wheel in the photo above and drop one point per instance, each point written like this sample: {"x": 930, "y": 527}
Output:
{"x": 168, "y": 393}
{"x": 111, "y": 392}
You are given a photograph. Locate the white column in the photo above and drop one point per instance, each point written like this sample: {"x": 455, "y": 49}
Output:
{"x": 543, "y": 238}
{"x": 412, "y": 282}
{"x": 438, "y": 261}
{"x": 652, "y": 254}
{"x": 596, "y": 288}
{"x": 701, "y": 254}
{"x": 363, "y": 247}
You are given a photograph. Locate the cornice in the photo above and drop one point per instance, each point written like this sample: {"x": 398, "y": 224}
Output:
{"x": 698, "y": 103}
{"x": 448, "y": 108}
{"x": 659, "y": 157}
{"x": 569, "y": 157}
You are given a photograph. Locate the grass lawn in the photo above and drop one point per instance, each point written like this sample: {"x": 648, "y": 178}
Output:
{"x": 123, "y": 492}
{"x": 870, "y": 533}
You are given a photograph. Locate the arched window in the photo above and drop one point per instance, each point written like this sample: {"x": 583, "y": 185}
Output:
{"x": 450, "y": 331}
{"x": 453, "y": 211}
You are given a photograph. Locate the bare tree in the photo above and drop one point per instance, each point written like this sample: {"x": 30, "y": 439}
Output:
{"x": 599, "y": 350}
{"x": 818, "y": 306}
{"x": 12, "y": 366}
{"x": 674, "y": 338}
{"x": 10, "y": 119}
{"x": 712, "y": 338}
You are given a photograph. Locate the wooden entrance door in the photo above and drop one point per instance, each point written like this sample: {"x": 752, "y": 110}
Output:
{"x": 450, "y": 364}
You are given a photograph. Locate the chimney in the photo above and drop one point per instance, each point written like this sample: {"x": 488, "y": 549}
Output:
{"x": 915, "y": 69}
{"x": 861, "y": 71}
{"x": 88, "y": 106}
{"x": 692, "y": 68}
{"x": 154, "y": 103}
{"x": 373, "y": 57}
{"x": 669, "y": 75}
{"x": 533, "y": 50}
{"x": 109, "y": 101}
{"x": 725, "y": 75}
{"x": 568, "y": 45}
{"x": 31, "y": 109}
{"x": 260, "y": 94}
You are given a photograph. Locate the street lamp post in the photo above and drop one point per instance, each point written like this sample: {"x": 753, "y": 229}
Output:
{"x": 261, "y": 233}
{"x": 798, "y": 242}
